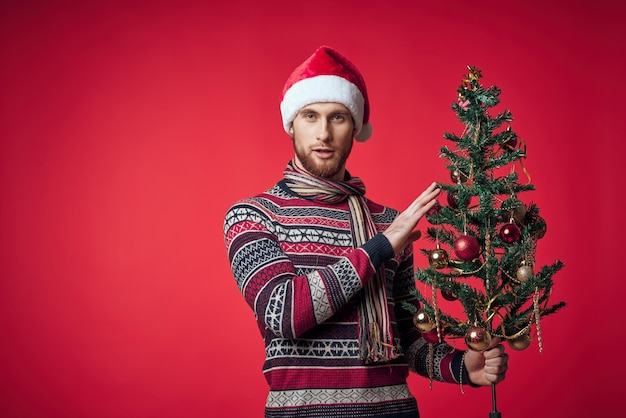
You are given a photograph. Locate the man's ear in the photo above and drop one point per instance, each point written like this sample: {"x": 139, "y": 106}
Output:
{"x": 291, "y": 130}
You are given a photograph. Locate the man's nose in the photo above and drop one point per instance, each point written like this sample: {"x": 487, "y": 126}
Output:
{"x": 324, "y": 134}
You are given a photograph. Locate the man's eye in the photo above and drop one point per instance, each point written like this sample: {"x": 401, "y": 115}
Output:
{"x": 339, "y": 118}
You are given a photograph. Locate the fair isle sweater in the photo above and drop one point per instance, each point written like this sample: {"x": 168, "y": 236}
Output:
{"x": 295, "y": 265}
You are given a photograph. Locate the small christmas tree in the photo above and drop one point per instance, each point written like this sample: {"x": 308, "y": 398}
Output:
{"x": 485, "y": 238}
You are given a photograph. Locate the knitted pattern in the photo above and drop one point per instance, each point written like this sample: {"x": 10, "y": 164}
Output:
{"x": 293, "y": 261}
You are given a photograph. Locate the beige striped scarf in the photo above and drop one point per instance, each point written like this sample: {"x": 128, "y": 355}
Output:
{"x": 375, "y": 335}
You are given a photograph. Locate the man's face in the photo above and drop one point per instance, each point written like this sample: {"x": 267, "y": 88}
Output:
{"x": 322, "y": 138}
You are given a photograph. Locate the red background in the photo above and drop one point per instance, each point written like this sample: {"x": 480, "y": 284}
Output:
{"x": 128, "y": 128}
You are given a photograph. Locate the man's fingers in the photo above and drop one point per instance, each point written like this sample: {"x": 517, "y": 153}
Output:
{"x": 433, "y": 189}
{"x": 426, "y": 199}
{"x": 402, "y": 231}
{"x": 429, "y": 189}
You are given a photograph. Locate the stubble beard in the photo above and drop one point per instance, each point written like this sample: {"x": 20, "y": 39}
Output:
{"x": 325, "y": 169}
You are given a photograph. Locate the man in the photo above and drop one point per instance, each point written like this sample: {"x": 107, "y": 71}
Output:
{"x": 327, "y": 271}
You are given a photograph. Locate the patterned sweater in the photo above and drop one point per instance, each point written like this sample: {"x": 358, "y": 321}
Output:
{"x": 293, "y": 261}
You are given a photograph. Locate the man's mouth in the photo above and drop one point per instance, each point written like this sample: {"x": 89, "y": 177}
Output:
{"x": 324, "y": 152}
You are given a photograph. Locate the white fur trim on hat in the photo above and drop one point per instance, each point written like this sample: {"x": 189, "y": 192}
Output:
{"x": 323, "y": 89}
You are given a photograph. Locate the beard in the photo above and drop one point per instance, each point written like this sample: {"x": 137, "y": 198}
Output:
{"x": 322, "y": 168}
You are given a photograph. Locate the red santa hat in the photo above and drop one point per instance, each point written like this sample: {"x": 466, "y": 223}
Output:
{"x": 327, "y": 76}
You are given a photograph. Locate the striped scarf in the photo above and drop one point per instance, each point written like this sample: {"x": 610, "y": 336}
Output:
{"x": 375, "y": 336}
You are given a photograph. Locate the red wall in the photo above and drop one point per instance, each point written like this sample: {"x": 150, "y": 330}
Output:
{"x": 128, "y": 128}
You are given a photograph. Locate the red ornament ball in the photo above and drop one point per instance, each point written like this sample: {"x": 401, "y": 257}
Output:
{"x": 510, "y": 233}
{"x": 510, "y": 141}
{"x": 466, "y": 248}
{"x": 435, "y": 209}
{"x": 448, "y": 295}
{"x": 454, "y": 202}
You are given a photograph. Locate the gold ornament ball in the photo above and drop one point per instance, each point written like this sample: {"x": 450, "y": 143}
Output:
{"x": 524, "y": 273}
{"x": 422, "y": 321}
{"x": 457, "y": 176}
{"x": 438, "y": 258}
{"x": 477, "y": 339}
{"x": 521, "y": 342}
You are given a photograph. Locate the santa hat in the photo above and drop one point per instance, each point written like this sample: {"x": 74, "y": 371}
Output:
{"x": 327, "y": 76}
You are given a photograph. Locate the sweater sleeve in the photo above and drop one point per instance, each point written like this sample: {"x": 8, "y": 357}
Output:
{"x": 286, "y": 303}
{"x": 447, "y": 362}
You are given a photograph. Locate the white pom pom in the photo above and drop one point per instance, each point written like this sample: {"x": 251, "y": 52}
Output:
{"x": 365, "y": 134}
